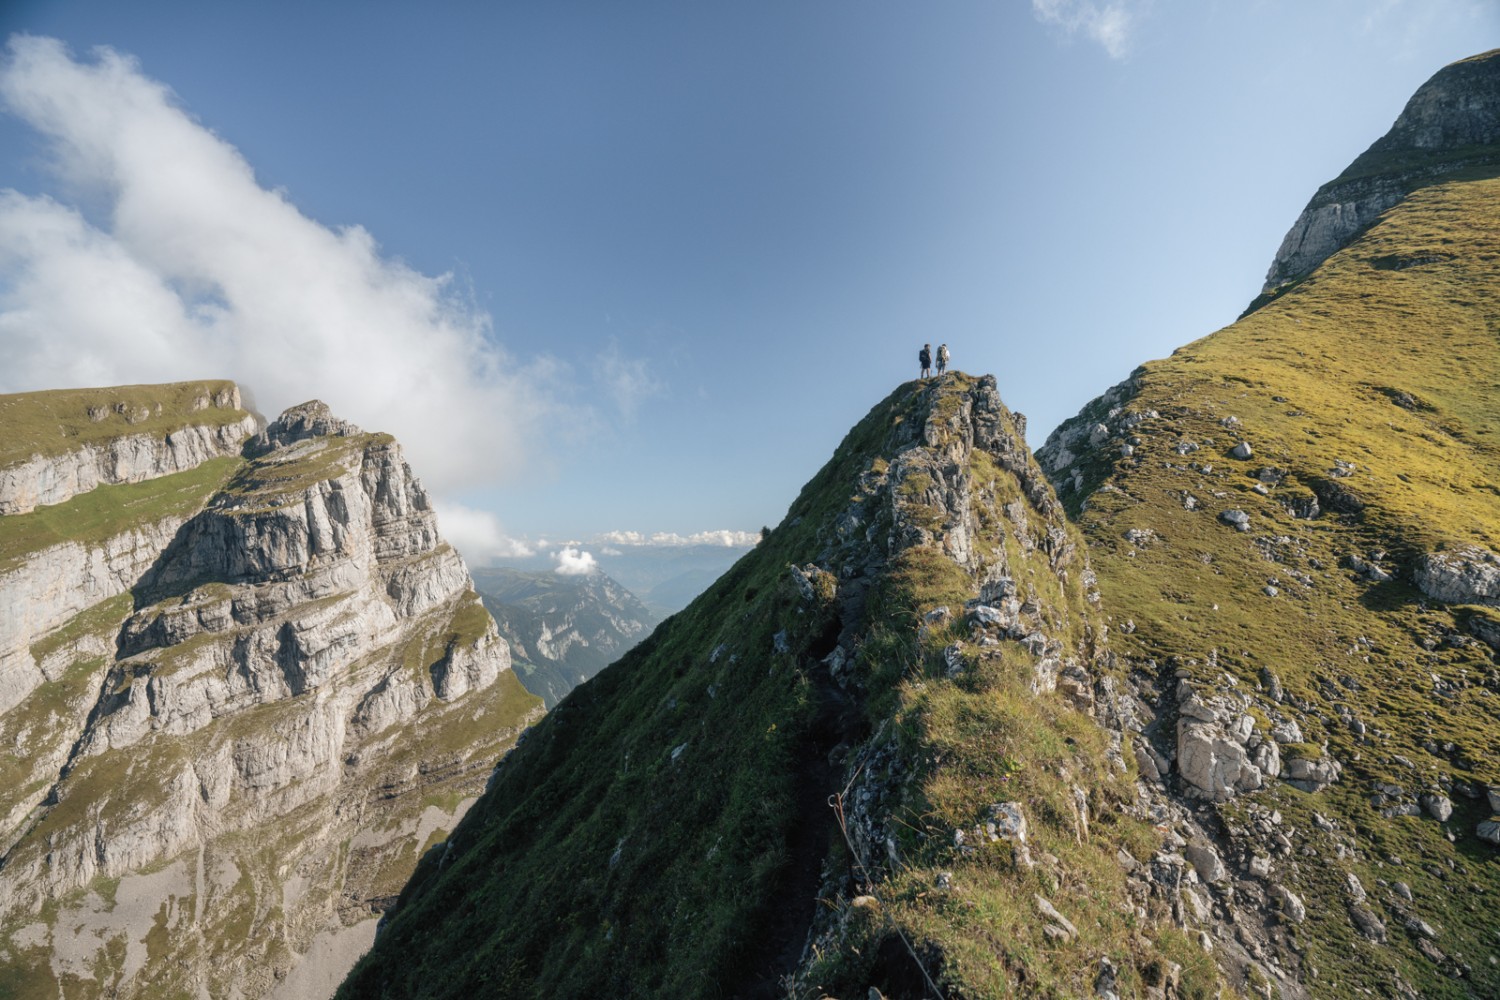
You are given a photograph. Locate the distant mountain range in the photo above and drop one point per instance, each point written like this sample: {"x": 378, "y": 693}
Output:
{"x": 562, "y": 629}
{"x": 665, "y": 578}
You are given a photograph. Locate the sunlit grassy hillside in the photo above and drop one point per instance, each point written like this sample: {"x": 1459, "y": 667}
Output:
{"x": 1369, "y": 394}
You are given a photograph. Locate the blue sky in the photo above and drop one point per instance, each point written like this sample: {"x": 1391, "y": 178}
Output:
{"x": 617, "y": 268}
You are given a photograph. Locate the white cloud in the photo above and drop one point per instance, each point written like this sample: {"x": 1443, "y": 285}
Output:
{"x": 726, "y": 538}
{"x": 180, "y": 265}
{"x": 575, "y": 562}
{"x": 477, "y": 534}
{"x": 1108, "y": 22}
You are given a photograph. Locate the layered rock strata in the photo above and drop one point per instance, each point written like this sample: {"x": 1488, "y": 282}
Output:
{"x": 281, "y": 697}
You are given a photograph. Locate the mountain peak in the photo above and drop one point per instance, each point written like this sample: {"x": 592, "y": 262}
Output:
{"x": 311, "y": 419}
{"x": 1451, "y": 124}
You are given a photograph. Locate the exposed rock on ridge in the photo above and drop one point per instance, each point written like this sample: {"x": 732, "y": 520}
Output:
{"x": 42, "y": 480}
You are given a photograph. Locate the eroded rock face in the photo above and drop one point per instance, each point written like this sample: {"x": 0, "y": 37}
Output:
{"x": 278, "y": 686}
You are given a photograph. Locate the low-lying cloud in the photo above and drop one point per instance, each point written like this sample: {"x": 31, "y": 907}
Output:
{"x": 170, "y": 261}
{"x": 670, "y": 539}
{"x": 575, "y": 562}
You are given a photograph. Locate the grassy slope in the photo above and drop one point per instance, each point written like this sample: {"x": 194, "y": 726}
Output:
{"x": 1386, "y": 358}
{"x": 642, "y": 840}
{"x": 107, "y": 511}
{"x": 58, "y": 421}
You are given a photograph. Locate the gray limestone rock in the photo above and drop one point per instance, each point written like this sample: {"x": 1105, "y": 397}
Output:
{"x": 1311, "y": 775}
{"x": 40, "y": 481}
{"x": 1055, "y": 919}
{"x": 1213, "y": 763}
{"x": 1235, "y": 518}
{"x": 1466, "y": 575}
{"x": 1206, "y": 862}
{"x": 1450, "y": 123}
{"x": 1292, "y": 907}
{"x": 1367, "y": 923}
{"x": 1439, "y": 807}
{"x": 281, "y": 637}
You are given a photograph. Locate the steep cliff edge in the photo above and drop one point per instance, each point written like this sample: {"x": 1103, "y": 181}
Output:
{"x": 883, "y": 752}
{"x": 1296, "y": 530}
{"x": 252, "y": 691}
{"x": 1450, "y": 127}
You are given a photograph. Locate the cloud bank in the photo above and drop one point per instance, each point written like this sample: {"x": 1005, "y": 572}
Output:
{"x": 1110, "y": 23}
{"x": 171, "y": 262}
{"x": 728, "y": 539}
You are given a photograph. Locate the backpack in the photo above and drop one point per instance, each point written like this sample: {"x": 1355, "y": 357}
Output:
{"x": 943, "y": 354}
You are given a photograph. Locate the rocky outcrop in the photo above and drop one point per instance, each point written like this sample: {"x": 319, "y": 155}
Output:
{"x": 1451, "y": 123}
{"x": 56, "y": 584}
{"x": 293, "y": 655}
{"x": 1466, "y": 575}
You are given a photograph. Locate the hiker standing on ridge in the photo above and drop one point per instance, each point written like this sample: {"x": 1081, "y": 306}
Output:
{"x": 942, "y": 358}
{"x": 925, "y": 356}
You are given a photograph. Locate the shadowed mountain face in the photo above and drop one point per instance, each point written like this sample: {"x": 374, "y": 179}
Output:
{"x": 562, "y": 629}
{"x": 1221, "y": 712}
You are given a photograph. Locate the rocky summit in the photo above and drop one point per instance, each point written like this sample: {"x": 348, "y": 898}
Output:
{"x": 243, "y": 684}
{"x": 1203, "y": 701}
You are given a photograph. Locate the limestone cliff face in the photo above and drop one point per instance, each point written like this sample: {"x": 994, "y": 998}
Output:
{"x": 280, "y": 695}
{"x": 1451, "y": 124}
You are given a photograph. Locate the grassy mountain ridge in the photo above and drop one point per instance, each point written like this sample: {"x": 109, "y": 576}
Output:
{"x": 810, "y": 779}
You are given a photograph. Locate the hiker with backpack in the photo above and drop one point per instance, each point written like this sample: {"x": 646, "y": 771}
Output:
{"x": 925, "y": 356}
{"x": 942, "y": 358}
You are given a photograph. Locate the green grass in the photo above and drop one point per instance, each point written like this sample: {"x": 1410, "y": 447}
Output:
{"x": 108, "y": 511}
{"x": 1393, "y": 372}
{"x": 102, "y": 618}
{"x": 58, "y": 421}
